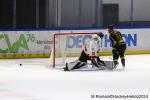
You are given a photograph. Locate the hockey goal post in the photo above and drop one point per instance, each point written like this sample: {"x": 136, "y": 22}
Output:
{"x": 67, "y": 46}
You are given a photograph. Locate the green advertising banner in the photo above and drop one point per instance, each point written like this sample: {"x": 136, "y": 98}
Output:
{"x": 20, "y": 44}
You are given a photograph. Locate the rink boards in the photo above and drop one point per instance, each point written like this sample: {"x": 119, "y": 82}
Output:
{"x": 38, "y": 43}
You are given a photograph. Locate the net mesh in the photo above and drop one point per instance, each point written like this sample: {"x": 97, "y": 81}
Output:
{"x": 67, "y": 47}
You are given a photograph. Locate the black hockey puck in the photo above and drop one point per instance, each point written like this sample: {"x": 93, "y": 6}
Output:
{"x": 20, "y": 64}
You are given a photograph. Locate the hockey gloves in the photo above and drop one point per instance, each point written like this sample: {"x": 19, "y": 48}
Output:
{"x": 100, "y": 34}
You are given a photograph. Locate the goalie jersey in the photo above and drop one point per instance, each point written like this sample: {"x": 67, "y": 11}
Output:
{"x": 93, "y": 48}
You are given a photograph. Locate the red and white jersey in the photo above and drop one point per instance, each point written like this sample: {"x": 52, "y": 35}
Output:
{"x": 92, "y": 49}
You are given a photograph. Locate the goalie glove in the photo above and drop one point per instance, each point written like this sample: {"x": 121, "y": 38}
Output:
{"x": 98, "y": 50}
{"x": 100, "y": 34}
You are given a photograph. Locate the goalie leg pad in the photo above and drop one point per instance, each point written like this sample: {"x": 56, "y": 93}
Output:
{"x": 78, "y": 65}
{"x": 70, "y": 65}
{"x": 74, "y": 65}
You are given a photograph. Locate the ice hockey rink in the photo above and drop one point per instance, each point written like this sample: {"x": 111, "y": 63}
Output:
{"x": 35, "y": 81}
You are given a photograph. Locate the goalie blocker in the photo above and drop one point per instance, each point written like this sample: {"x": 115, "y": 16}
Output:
{"x": 90, "y": 52}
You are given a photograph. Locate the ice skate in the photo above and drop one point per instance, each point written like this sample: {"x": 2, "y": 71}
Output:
{"x": 123, "y": 62}
{"x": 115, "y": 64}
{"x": 66, "y": 67}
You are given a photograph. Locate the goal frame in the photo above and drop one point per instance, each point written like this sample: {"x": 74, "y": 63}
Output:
{"x": 63, "y": 33}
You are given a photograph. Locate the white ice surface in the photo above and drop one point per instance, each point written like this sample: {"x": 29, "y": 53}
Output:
{"x": 35, "y": 81}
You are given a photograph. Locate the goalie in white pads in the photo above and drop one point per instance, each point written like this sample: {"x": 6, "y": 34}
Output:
{"x": 89, "y": 52}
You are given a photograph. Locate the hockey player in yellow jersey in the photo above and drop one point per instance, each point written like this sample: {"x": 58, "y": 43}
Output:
{"x": 118, "y": 45}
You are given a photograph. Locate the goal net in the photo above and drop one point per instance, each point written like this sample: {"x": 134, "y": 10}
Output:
{"x": 66, "y": 47}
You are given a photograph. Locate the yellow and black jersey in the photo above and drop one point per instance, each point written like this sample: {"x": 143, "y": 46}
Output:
{"x": 116, "y": 38}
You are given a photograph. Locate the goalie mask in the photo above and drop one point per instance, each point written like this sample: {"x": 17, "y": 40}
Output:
{"x": 95, "y": 38}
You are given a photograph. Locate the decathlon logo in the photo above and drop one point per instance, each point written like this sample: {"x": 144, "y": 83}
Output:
{"x": 82, "y": 40}
{"x": 79, "y": 41}
{"x": 130, "y": 39}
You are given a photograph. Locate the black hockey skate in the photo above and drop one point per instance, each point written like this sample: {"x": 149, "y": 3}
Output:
{"x": 115, "y": 64}
{"x": 123, "y": 62}
{"x": 66, "y": 67}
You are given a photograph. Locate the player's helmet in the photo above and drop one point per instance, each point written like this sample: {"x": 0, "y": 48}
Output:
{"x": 110, "y": 26}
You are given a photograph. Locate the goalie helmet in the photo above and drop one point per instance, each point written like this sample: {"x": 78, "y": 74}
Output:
{"x": 94, "y": 36}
